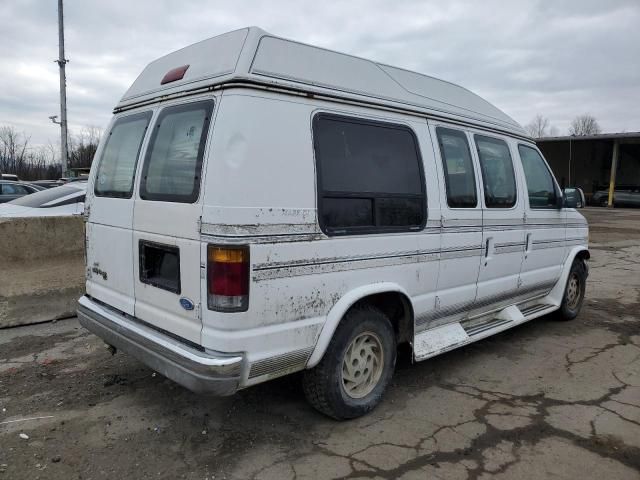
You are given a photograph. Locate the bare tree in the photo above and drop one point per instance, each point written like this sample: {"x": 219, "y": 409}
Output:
{"x": 584, "y": 125}
{"x": 17, "y": 157}
{"x": 538, "y": 127}
{"x": 13, "y": 149}
{"x": 83, "y": 145}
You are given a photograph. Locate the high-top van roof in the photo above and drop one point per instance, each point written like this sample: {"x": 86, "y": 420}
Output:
{"x": 251, "y": 55}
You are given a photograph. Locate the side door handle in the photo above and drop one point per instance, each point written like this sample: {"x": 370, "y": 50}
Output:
{"x": 529, "y": 243}
{"x": 488, "y": 250}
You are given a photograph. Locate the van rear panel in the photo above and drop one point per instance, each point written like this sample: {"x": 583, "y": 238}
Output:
{"x": 110, "y": 205}
{"x": 143, "y": 245}
{"x": 109, "y": 259}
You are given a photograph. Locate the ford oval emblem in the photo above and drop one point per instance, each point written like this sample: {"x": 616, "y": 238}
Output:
{"x": 186, "y": 303}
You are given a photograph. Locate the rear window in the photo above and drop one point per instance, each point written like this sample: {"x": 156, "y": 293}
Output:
{"x": 38, "y": 199}
{"x": 119, "y": 158}
{"x": 173, "y": 162}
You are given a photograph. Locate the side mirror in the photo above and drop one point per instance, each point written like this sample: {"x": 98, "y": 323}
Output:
{"x": 573, "y": 198}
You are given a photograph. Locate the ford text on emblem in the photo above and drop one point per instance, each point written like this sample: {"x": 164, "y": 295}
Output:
{"x": 186, "y": 303}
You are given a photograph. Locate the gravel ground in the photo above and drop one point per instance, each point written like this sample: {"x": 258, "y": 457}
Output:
{"x": 544, "y": 399}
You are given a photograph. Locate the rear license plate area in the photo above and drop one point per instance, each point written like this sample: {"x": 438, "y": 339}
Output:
{"x": 160, "y": 265}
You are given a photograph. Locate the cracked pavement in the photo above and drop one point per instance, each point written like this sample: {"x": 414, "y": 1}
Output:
{"x": 547, "y": 399}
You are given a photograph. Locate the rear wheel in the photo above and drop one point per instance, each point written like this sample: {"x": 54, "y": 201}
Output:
{"x": 356, "y": 368}
{"x": 574, "y": 291}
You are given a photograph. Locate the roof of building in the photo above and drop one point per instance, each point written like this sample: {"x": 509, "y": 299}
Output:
{"x": 252, "y": 55}
{"x": 599, "y": 136}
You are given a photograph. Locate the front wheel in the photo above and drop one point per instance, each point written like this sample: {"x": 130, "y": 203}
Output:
{"x": 574, "y": 291}
{"x": 356, "y": 368}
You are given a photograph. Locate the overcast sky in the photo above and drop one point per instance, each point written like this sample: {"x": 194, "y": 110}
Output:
{"x": 557, "y": 58}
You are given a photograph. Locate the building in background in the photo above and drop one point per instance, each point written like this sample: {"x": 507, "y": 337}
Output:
{"x": 595, "y": 162}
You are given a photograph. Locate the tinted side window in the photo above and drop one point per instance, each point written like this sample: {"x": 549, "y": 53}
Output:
{"x": 497, "y": 172}
{"x": 540, "y": 184}
{"x": 13, "y": 189}
{"x": 369, "y": 176}
{"x": 119, "y": 157}
{"x": 458, "y": 168}
{"x": 171, "y": 171}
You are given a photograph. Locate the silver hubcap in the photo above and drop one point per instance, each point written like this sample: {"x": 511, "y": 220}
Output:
{"x": 362, "y": 365}
{"x": 573, "y": 291}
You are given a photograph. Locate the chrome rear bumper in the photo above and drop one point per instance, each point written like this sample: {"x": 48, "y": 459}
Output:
{"x": 206, "y": 372}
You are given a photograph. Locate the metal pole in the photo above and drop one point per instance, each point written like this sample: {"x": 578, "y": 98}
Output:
{"x": 64, "y": 158}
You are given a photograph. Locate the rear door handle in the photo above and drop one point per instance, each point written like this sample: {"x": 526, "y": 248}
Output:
{"x": 529, "y": 242}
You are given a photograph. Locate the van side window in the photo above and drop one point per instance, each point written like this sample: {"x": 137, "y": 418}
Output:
{"x": 459, "y": 175}
{"x": 540, "y": 184}
{"x": 117, "y": 165}
{"x": 173, "y": 162}
{"x": 370, "y": 176}
{"x": 497, "y": 172}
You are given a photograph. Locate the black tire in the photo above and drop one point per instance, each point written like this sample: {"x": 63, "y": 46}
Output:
{"x": 324, "y": 385}
{"x": 572, "y": 300}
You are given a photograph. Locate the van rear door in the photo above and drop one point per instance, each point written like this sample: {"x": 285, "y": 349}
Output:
{"x": 110, "y": 206}
{"x": 166, "y": 238}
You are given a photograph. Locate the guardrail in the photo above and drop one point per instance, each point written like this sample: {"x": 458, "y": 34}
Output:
{"x": 41, "y": 268}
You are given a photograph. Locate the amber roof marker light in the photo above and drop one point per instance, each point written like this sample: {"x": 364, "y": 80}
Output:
{"x": 174, "y": 74}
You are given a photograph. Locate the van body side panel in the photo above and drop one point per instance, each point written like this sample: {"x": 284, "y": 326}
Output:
{"x": 577, "y": 230}
{"x": 430, "y": 238}
{"x": 261, "y": 191}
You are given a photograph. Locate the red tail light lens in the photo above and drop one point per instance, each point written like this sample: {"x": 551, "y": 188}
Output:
{"x": 228, "y": 278}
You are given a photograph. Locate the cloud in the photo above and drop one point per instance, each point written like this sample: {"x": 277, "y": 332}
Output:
{"x": 559, "y": 59}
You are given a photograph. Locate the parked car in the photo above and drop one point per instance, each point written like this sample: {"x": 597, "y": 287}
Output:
{"x": 10, "y": 190}
{"x": 47, "y": 183}
{"x": 58, "y": 201}
{"x": 9, "y": 176}
{"x": 79, "y": 178}
{"x": 261, "y": 207}
{"x": 622, "y": 197}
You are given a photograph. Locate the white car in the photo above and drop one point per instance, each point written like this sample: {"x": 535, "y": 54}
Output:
{"x": 261, "y": 207}
{"x": 53, "y": 202}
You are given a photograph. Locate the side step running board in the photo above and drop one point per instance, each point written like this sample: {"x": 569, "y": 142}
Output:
{"x": 535, "y": 309}
{"x": 484, "y": 326}
{"x": 435, "y": 341}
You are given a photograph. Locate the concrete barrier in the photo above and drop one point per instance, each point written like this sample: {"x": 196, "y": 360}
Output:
{"x": 41, "y": 268}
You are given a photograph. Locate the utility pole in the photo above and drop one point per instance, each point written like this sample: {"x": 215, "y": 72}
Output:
{"x": 64, "y": 158}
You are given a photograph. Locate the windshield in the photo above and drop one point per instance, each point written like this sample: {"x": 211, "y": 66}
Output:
{"x": 38, "y": 199}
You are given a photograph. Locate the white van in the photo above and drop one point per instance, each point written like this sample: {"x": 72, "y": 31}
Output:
{"x": 259, "y": 207}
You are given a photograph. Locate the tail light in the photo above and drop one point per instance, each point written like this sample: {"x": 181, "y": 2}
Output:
{"x": 228, "y": 278}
